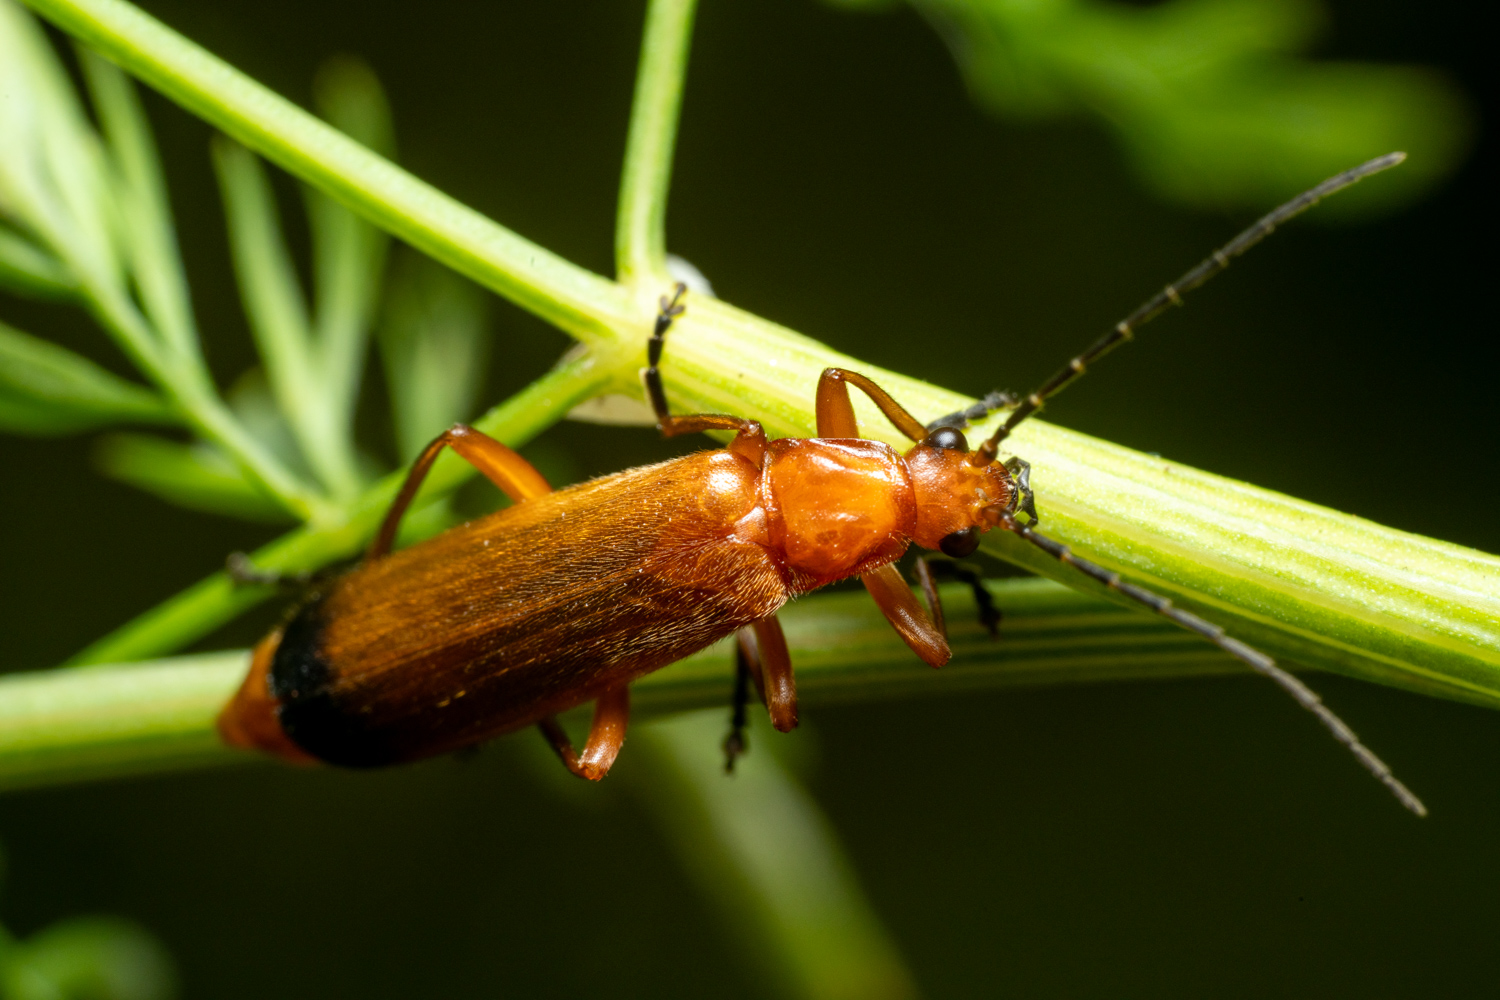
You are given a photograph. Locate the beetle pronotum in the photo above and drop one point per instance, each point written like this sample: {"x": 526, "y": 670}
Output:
{"x": 566, "y": 597}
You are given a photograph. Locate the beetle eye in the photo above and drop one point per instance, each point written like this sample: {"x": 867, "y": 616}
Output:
{"x": 960, "y": 543}
{"x": 950, "y": 438}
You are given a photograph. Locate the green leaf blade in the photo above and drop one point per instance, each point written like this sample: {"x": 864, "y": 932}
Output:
{"x": 46, "y": 389}
{"x": 27, "y": 269}
{"x": 434, "y": 348}
{"x": 193, "y": 476}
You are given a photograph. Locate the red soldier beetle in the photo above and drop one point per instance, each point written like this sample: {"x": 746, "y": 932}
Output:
{"x": 568, "y": 596}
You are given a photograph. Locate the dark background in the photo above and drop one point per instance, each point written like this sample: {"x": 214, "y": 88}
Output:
{"x": 1193, "y": 838}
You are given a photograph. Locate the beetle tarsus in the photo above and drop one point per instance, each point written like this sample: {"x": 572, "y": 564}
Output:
{"x": 929, "y": 568}
{"x": 735, "y": 745}
{"x": 606, "y": 735}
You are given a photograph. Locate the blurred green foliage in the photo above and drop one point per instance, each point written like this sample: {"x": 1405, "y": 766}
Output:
{"x": 46, "y": 389}
{"x": 1210, "y": 99}
{"x": 85, "y": 958}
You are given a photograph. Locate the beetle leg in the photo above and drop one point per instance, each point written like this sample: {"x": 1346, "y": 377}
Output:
{"x": 606, "y": 735}
{"x": 900, "y": 607}
{"x": 771, "y": 665}
{"x": 836, "y": 412}
{"x": 750, "y": 439}
{"x": 501, "y": 466}
{"x": 744, "y": 654}
{"x": 928, "y": 570}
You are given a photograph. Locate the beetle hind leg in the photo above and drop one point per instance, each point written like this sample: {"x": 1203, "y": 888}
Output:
{"x": 606, "y": 735}
{"x": 761, "y": 656}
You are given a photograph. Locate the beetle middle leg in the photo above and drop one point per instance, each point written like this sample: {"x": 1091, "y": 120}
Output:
{"x": 606, "y": 735}
{"x": 929, "y": 568}
{"x": 835, "y": 411}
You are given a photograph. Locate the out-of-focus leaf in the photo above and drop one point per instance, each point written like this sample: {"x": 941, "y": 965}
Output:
{"x": 434, "y": 349}
{"x": 30, "y": 270}
{"x": 348, "y": 252}
{"x": 1208, "y": 97}
{"x": 196, "y": 476}
{"x": 269, "y": 289}
{"x": 147, "y": 233}
{"x": 52, "y": 175}
{"x": 759, "y": 846}
{"x": 348, "y": 95}
{"x": 254, "y": 406}
{"x": 46, "y": 389}
{"x": 90, "y": 958}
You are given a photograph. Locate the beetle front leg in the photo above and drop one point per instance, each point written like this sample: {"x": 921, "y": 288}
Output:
{"x": 606, "y": 735}
{"x": 901, "y": 609}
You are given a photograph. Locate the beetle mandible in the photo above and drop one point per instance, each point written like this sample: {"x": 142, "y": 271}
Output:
{"x": 568, "y": 596}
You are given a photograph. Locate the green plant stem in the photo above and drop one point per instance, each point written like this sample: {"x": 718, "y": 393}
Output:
{"x": 1304, "y": 582}
{"x": 572, "y": 298}
{"x": 64, "y": 725}
{"x": 214, "y": 601}
{"x": 142, "y": 718}
{"x": 640, "y": 240}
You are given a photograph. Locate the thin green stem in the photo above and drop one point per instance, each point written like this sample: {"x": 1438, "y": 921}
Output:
{"x": 581, "y": 303}
{"x": 63, "y": 725}
{"x": 640, "y": 237}
{"x": 214, "y": 601}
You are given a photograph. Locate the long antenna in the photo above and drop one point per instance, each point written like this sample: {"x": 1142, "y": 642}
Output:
{"x": 1167, "y": 297}
{"x": 1253, "y": 658}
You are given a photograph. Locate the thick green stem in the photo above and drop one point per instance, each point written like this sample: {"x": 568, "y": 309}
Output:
{"x": 1307, "y": 583}
{"x": 64, "y": 725}
{"x": 640, "y": 230}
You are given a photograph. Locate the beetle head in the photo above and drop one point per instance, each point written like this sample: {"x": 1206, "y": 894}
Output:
{"x": 958, "y": 500}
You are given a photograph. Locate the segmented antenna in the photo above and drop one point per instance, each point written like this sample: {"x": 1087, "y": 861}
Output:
{"x": 1162, "y": 300}
{"x": 1253, "y": 658}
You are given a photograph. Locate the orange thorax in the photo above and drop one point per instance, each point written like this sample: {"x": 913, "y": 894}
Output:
{"x": 835, "y": 506}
